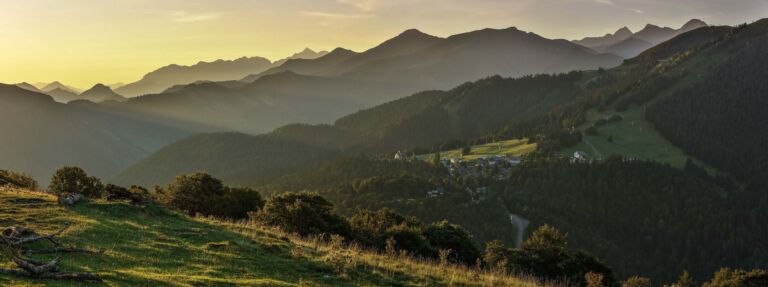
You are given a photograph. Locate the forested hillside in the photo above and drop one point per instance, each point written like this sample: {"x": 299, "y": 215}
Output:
{"x": 241, "y": 160}
{"x": 417, "y": 122}
{"x": 640, "y": 217}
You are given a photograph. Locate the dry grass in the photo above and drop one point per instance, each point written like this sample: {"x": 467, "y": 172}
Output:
{"x": 149, "y": 246}
{"x": 354, "y": 258}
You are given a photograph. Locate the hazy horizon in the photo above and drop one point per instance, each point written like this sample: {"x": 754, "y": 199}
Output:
{"x": 84, "y": 42}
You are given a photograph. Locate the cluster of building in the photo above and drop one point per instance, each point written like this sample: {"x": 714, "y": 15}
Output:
{"x": 498, "y": 166}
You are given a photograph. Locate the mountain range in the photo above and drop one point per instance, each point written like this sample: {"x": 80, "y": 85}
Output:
{"x": 64, "y": 94}
{"x": 41, "y": 135}
{"x": 323, "y": 89}
{"x": 219, "y": 70}
{"x": 626, "y": 44}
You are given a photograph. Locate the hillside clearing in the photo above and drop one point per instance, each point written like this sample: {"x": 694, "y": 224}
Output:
{"x": 515, "y": 147}
{"x": 632, "y": 137}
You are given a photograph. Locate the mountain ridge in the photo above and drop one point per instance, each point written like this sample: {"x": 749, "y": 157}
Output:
{"x": 635, "y": 43}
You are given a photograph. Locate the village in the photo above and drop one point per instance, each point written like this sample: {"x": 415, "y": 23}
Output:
{"x": 498, "y": 166}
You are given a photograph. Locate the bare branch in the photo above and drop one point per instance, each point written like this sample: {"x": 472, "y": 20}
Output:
{"x": 31, "y": 239}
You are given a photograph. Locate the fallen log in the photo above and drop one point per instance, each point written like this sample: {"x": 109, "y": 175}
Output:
{"x": 59, "y": 250}
{"x": 13, "y": 239}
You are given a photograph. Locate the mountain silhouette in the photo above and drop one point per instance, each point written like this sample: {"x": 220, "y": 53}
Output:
{"x": 341, "y": 60}
{"x": 219, "y": 70}
{"x": 29, "y": 87}
{"x": 634, "y": 44}
{"x": 607, "y": 40}
{"x": 307, "y": 66}
{"x": 101, "y": 93}
{"x": 62, "y": 95}
{"x": 320, "y": 90}
{"x": 57, "y": 85}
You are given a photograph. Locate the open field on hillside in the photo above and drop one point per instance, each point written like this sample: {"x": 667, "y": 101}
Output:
{"x": 632, "y": 137}
{"x": 515, "y": 147}
{"x": 149, "y": 246}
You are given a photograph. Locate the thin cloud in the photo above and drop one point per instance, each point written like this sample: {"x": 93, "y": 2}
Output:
{"x": 606, "y": 2}
{"x": 362, "y": 5}
{"x": 335, "y": 15}
{"x": 185, "y": 17}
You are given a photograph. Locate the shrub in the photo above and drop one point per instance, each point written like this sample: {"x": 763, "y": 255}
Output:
{"x": 192, "y": 193}
{"x": 727, "y": 277}
{"x": 70, "y": 180}
{"x": 685, "y": 280}
{"x": 447, "y": 236}
{"x": 544, "y": 254}
{"x": 594, "y": 279}
{"x": 18, "y": 180}
{"x": 238, "y": 202}
{"x": 139, "y": 195}
{"x": 411, "y": 240}
{"x": 636, "y": 281}
{"x": 200, "y": 193}
{"x": 302, "y": 213}
{"x": 114, "y": 192}
{"x": 372, "y": 228}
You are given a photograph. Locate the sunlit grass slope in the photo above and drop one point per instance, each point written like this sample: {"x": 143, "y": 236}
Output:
{"x": 150, "y": 246}
{"x": 633, "y": 137}
{"x": 515, "y": 147}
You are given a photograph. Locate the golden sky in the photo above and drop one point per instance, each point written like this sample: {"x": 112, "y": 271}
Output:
{"x": 83, "y": 42}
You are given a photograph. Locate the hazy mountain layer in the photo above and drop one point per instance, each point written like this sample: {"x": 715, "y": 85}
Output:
{"x": 41, "y": 135}
{"x": 324, "y": 89}
{"x": 101, "y": 93}
{"x": 219, "y": 70}
{"x": 626, "y": 44}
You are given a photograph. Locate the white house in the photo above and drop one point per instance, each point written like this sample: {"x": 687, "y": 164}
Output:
{"x": 580, "y": 155}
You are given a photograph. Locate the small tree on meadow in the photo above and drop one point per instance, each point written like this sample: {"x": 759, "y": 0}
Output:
{"x": 302, "y": 213}
{"x": 193, "y": 193}
{"x": 70, "y": 180}
{"x": 466, "y": 150}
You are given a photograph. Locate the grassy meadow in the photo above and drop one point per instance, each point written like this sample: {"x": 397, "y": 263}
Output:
{"x": 516, "y": 147}
{"x": 633, "y": 137}
{"x": 150, "y": 246}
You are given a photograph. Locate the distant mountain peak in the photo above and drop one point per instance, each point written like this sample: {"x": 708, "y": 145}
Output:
{"x": 650, "y": 27}
{"x": 693, "y": 24}
{"x": 58, "y": 85}
{"x": 100, "y": 86}
{"x": 623, "y": 32}
{"x": 307, "y": 53}
{"x": 100, "y": 93}
{"x": 696, "y": 22}
{"x": 411, "y": 32}
{"x": 340, "y": 51}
